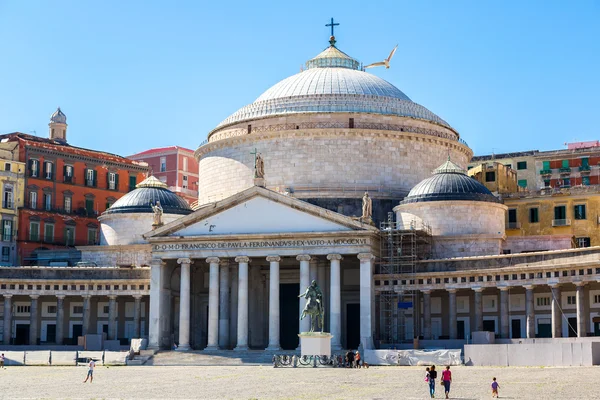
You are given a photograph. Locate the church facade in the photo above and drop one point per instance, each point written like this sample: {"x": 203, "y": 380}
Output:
{"x": 281, "y": 203}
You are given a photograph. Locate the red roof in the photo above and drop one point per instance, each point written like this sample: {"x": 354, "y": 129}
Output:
{"x": 160, "y": 150}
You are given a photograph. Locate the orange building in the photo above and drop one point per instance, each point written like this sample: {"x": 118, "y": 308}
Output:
{"x": 66, "y": 188}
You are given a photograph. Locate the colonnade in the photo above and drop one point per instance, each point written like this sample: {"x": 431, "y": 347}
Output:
{"x": 218, "y": 301}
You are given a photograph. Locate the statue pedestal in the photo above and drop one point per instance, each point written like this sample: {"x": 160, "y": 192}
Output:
{"x": 315, "y": 343}
{"x": 259, "y": 182}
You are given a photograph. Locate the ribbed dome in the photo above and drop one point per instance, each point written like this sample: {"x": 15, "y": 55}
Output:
{"x": 58, "y": 117}
{"x": 147, "y": 193}
{"x": 449, "y": 182}
{"x": 333, "y": 82}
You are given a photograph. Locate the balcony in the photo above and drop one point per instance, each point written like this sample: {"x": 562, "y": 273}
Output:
{"x": 546, "y": 172}
{"x": 79, "y": 211}
{"x": 561, "y": 222}
{"x": 584, "y": 170}
{"x": 9, "y": 205}
{"x": 513, "y": 225}
{"x": 565, "y": 170}
{"x": 57, "y": 240}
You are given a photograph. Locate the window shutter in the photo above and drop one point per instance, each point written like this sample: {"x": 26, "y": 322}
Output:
{"x": 117, "y": 182}
{"x": 44, "y": 171}
{"x": 108, "y": 180}
{"x": 95, "y": 178}
{"x": 51, "y": 171}
{"x": 30, "y": 167}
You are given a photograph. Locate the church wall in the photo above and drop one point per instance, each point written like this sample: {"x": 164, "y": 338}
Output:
{"x": 469, "y": 246}
{"x": 110, "y": 256}
{"x": 128, "y": 228}
{"x": 346, "y": 160}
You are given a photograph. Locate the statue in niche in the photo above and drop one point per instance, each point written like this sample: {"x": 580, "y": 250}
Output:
{"x": 158, "y": 212}
{"x": 367, "y": 208}
{"x": 259, "y": 166}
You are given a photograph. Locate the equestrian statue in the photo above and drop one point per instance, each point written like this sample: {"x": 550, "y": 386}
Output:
{"x": 314, "y": 306}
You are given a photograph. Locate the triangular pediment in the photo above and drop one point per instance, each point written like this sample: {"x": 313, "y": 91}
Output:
{"x": 259, "y": 211}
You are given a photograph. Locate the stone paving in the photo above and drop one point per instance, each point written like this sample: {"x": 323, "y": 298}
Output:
{"x": 265, "y": 382}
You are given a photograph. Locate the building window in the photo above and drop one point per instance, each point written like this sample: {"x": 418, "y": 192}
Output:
{"x": 7, "y": 230}
{"x": 565, "y": 163}
{"x": 68, "y": 173}
{"x": 534, "y": 215}
{"x": 77, "y": 309}
{"x": 5, "y": 254}
{"x": 583, "y": 242}
{"x": 585, "y": 180}
{"x": 521, "y": 165}
{"x": 580, "y": 211}
{"x": 7, "y": 166}
{"x": 34, "y": 231}
{"x": 546, "y": 183}
{"x": 185, "y": 182}
{"x": 8, "y": 197}
{"x": 69, "y": 236}
{"x": 571, "y": 300}
{"x": 68, "y": 205}
{"x": 47, "y": 201}
{"x": 23, "y": 309}
{"x": 113, "y": 181}
{"x": 48, "y": 170}
{"x": 560, "y": 212}
{"x": 522, "y": 183}
{"x": 512, "y": 216}
{"x": 543, "y": 301}
{"x": 34, "y": 168}
{"x": 89, "y": 207}
{"x": 51, "y": 310}
{"x": 490, "y": 176}
{"x": 91, "y": 236}
{"x": 33, "y": 200}
{"x": 163, "y": 164}
{"x": 185, "y": 164}
{"x": 566, "y": 183}
{"x": 596, "y": 298}
{"x": 132, "y": 182}
{"x": 49, "y": 233}
{"x": 546, "y": 165}
{"x": 90, "y": 177}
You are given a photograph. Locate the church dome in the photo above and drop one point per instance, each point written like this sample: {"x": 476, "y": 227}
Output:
{"x": 148, "y": 192}
{"x": 58, "y": 117}
{"x": 332, "y": 83}
{"x": 449, "y": 182}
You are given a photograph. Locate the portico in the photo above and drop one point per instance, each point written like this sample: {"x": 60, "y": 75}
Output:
{"x": 214, "y": 274}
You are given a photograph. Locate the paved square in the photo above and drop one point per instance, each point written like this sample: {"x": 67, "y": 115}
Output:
{"x": 264, "y": 382}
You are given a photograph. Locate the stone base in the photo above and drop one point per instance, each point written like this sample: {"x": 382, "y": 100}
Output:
{"x": 259, "y": 182}
{"x": 182, "y": 348}
{"x": 240, "y": 348}
{"x": 315, "y": 343}
{"x": 211, "y": 348}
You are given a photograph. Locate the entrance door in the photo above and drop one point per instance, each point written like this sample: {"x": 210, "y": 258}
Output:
{"x": 460, "y": 329}
{"x": 516, "y": 328}
{"x": 572, "y": 327}
{"x": 51, "y": 333}
{"x": 22, "y": 334}
{"x": 352, "y": 326}
{"x": 489, "y": 325}
{"x": 544, "y": 328}
{"x": 596, "y": 328}
{"x": 77, "y": 331}
{"x": 289, "y": 323}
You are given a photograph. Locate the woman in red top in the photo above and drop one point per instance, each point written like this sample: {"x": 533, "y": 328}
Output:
{"x": 446, "y": 380}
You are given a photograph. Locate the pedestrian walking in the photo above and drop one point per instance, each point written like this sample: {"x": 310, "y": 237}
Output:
{"x": 90, "y": 374}
{"x": 447, "y": 380}
{"x": 357, "y": 359}
{"x": 432, "y": 378}
{"x": 2, "y": 362}
{"x": 495, "y": 387}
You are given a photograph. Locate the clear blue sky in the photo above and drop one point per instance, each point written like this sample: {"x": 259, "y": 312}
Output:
{"x": 130, "y": 75}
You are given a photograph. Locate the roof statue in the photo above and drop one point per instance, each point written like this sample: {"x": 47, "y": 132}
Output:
{"x": 367, "y": 208}
{"x": 385, "y": 63}
{"x": 158, "y": 212}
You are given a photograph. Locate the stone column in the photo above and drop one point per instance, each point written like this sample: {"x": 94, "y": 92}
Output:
{"x": 33, "y": 320}
{"x": 504, "y": 319}
{"x": 426, "y": 314}
{"x": 366, "y": 300}
{"x": 7, "y": 318}
{"x": 154, "y": 323}
{"x": 314, "y": 265}
{"x": 452, "y": 314}
{"x": 581, "y": 317}
{"x": 224, "y": 306}
{"x": 478, "y": 309}
{"x": 556, "y": 313}
{"x": 87, "y": 299}
{"x": 304, "y": 282}
{"x": 137, "y": 316}
{"x": 184, "y": 304}
{"x": 233, "y": 272}
{"x": 274, "y": 319}
{"x": 335, "y": 301}
{"x": 60, "y": 319}
{"x": 242, "y": 324}
{"x": 112, "y": 317}
{"x": 213, "y": 304}
{"x": 529, "y": 312}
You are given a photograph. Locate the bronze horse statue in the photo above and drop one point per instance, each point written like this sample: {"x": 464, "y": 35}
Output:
{"x": 314, "y": 306}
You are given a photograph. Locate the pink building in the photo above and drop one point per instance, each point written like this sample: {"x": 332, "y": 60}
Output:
{"x": 175, "y": 166}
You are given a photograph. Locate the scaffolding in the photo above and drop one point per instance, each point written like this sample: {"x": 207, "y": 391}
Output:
{"x": 402, "y": 245}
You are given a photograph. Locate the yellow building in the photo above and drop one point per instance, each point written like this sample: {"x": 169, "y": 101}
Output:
{"x": 568, "y": 211}
{"x": 496, "y": 177}
{"x": 12, "y": 187}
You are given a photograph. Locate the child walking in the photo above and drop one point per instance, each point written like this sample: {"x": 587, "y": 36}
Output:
{"x": 495, "y": 387}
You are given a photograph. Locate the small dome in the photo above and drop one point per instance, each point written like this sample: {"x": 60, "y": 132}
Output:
{"x": 449, "y": 182}
{"x": 58, "y": 117}
{"x": 147, "y": 193}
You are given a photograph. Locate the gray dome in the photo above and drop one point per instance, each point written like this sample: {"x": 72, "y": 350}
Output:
{"x": 146, "y": 193}
{"x": 333, "y": 82}
{"x": 449, "y": 182}
{"x": 58, "y": 117}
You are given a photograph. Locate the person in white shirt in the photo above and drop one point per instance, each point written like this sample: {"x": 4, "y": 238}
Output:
{"x": 90, "y": 373}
